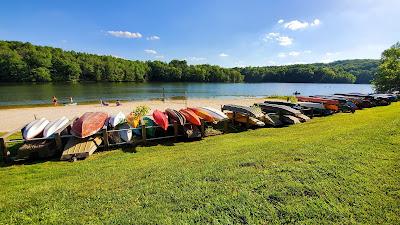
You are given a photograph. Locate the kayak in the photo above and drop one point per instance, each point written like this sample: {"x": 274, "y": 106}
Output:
{"x": 116, "y": 119}
{"x": 175, "y": 116}
{"x": 190, "y": 116}
{"x": 217, "y": 114}
{"x": 204, "y": 114}
{"x": 34, "y": 128}
{"x": 245, "y": 110}
{"x": 148, "y": 122}
{"x": 161, "y": 119}
{"x": 88, "y": 124}
{"x": 133, "y": 120}
{"x": 125, "y": 132}
{"x": 52, "y": 127}
{"x": 283, "y": 110}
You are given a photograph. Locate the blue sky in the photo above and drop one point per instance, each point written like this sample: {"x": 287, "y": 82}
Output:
{"x": 223, "y": 32}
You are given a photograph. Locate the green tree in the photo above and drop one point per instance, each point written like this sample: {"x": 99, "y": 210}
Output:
{"x": 388, "y": 75}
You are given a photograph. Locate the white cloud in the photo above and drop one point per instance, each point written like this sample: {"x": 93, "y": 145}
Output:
{"x": 281, "y": 55}
{"x": 271, "y": 63}
{"x": 307, "y": 51}
{"x": 280, "y": 21}
{"x": 223, "y": 55}
{"x": 299, "y": 25}
{"x": 282, "y": 40}
{"x": 153, "y": 38}
{"x": 159, "y": 56}
{"x": 294, "y": 53}
{"x": 150, "y": 51}
{"x": 125, "y": 34}
{"x": 316, "y": 22}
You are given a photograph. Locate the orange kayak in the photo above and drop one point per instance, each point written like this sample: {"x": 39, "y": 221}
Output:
{"x": 203, "y": 114}
{"x": 190, "y": 116}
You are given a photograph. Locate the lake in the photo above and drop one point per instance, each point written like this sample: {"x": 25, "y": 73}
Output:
{"x": 28, "y": 94}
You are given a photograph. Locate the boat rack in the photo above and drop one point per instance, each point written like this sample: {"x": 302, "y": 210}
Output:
{"x": 59, "y": 138}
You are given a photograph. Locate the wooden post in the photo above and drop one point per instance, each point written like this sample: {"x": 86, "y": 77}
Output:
{"x": 3, "y": 148}
{"x": 105, "y": 138}
{"x": 175, "y": 130}
{"x": 202, "y": 128}
{"x": 144, "y": 132}
{"x": 225, "y": 126}
{"x": 57, "y": 139}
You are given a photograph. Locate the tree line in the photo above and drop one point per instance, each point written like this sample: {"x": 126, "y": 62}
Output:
{"x": 24, "y": 62}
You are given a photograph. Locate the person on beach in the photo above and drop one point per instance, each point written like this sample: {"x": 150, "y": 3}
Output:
{"x": 117, "y": 103}
{"x": 55, "y": 101}
{"x": 71, "y": 101}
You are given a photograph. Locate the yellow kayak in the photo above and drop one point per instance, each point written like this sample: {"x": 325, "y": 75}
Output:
{"x": 133, "y": 120}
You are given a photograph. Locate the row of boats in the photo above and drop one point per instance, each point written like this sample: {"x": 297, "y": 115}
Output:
{"x": 189, "y": 120}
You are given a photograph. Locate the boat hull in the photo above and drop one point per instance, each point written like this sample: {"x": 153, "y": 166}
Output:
{"x": 88, "y": 124}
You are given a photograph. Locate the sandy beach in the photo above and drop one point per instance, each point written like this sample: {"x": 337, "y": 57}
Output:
{"x": 15, "y": 118}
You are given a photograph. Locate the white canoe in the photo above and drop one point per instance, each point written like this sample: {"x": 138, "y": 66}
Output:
{"x": 216, "y": 113}
{"x": 34, "y": 128}
{"x": 314, "y": 105}
{"x": 54, "y": 126}
{"x": 125, "y": 135}
{"x": 116, "y": 119}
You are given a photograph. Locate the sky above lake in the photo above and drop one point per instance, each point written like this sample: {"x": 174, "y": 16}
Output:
{"x": 223, "y": 32}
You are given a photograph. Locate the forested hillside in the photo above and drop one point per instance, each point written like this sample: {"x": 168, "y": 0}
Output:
{"x": 24, "y": 62}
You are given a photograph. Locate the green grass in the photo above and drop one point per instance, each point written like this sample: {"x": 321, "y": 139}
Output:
{"x": 340, "y": 169}
{"x": 291, "y": 98}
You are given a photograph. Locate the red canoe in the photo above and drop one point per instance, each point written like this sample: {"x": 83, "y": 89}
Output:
{"x": 190, "y": 116}
{"x": 161, "y": 119}
{"x": 320, "y": 100}
{"x": 203, "y": 114}
{"x": 88, "y": 124}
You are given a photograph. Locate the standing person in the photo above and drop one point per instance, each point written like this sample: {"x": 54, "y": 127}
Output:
{"x": 55, "y": 101}
{"x": 71, "y": 100}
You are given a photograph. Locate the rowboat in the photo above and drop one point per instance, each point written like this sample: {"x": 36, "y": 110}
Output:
{"x": 54, "y": 126}
{"x": 217, "y": 114}
{"x": 190, "y": 116}
{"x": 161, "y": 119}
{"x": 313, "y": 105}
{"x": 245, "y": 110}
{"x": 34, "y": 128}
{"x": 88, "y": 124}
{"x": 328, "y": 104}
{"x": 204, "y": 114}
{"x": 245, "y": 118}
{"x": 116, "y": 119}
{"x": 288, "y": 119}
{"x": 283, "y": 110}
{"x": 125, "y": 132}
{"x": 175, "y": 116}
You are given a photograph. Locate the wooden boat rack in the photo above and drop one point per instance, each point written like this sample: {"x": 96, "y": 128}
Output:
{"x": 60, "y": 138}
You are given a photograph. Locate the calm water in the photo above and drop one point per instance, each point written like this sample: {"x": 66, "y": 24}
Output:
{"x": 22, "y": 94}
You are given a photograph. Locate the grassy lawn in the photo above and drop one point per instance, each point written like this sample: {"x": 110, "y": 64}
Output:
{"x": 338, "y": 169}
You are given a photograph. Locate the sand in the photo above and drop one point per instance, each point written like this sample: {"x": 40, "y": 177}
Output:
{"x": 15, "y": 118}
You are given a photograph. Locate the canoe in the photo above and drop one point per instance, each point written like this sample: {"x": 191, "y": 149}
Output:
{"x": 125, "y": 132}
{"x": 250, "y": 111}
{"x": 288, "y": 119}
{"x": 116, "y": 119}
{"x": 283, "y": 110}
{"x": 313, "y": 105}
{"x": 190, "y": 116}
{"x": 88, "y": 124}
{"x": 133, "y": 119}
{"x": 161, "y": 119}
{"x": 243, "y": 119}
{"x": 151, "y": 131}
{"x": 217, "y": 114}
{"x": 275, "y": 118}
{"x": 315, "y": 99}
{"x": 34, "y": 128}
{"x": 54, "y": 126}
{"x": 175, "y": 116}
{"x": 204, "y": 114}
